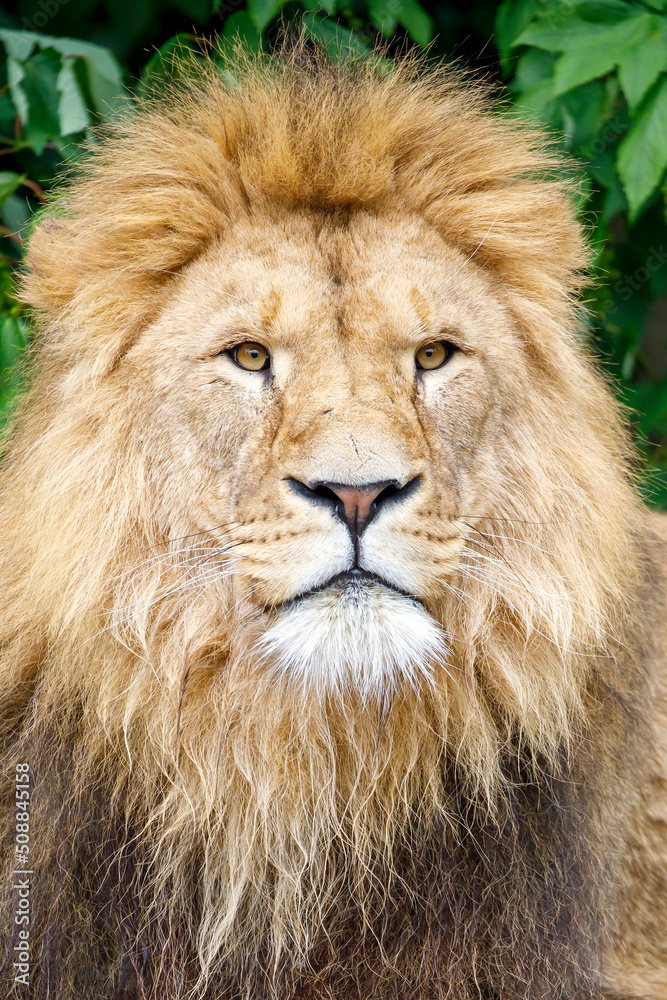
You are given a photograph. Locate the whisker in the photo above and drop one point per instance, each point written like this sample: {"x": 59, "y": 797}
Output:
{"x": 188, "y": 585}
{"x": 565, "y": 595}
{"x": 204, "y": 531}
{"x": 461, "y": 595}
{"x": 502, "y": 557}
{"x": 480, "y": 556}
{"x": 494, "y": 584}
{"x": 516, "y": 520}
{"x": 510, "y": 538}
{"x": 194, "y": 580}
{"x": 483, "y": 579}
{"x": 163, "y": 556}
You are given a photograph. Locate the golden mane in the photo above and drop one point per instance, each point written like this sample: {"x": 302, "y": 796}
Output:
{"x": 277, "y": 134}
{"x": 287, "y": 811}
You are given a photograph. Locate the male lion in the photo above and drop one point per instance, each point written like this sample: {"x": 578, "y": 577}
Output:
{"x": 330, "y": 614}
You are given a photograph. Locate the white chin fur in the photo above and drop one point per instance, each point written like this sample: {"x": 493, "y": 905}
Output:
{"x": 357, "y": 636}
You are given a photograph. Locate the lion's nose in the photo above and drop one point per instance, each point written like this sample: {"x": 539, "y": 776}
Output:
{"x": 355, "y": 505}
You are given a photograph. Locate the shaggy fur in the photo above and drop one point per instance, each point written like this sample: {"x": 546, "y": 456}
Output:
{"x": 202, "y": 825}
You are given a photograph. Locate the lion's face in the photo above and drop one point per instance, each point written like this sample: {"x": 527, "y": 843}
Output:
{"x": 336, "y": 482}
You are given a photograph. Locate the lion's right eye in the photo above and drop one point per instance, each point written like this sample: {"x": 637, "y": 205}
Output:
{"x": 250, "y": 356}
{"x": 435, "y": 355}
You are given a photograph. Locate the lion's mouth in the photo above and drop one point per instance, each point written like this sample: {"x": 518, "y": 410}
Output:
{"x": 349, "y": 582}
{"x": 355, "y": 632}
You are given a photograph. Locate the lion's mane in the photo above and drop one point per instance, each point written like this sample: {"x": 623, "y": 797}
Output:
{"x": 198, "y": 830}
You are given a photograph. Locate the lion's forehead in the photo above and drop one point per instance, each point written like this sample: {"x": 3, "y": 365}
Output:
{"x": 370, "y": 282}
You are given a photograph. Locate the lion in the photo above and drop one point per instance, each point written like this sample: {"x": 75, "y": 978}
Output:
{"x": 333, "y": 622}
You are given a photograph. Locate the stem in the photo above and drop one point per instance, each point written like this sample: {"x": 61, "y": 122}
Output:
{"x": 39, "y": 192}
{"x": 12, "y": 236}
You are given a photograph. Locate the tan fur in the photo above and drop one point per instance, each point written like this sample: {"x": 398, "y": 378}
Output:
{"x": 638, "y": 960}
{"x": 149, "y": 537}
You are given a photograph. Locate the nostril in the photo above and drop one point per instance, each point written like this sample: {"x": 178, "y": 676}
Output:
{"x": 326, "y": 494}
{"x": 356, "y": 505}
{"x": 315, "y": 494}
{"x": 394, "y": 492}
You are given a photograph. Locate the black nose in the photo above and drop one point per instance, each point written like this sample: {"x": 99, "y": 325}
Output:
{"x": 355, "y": 505}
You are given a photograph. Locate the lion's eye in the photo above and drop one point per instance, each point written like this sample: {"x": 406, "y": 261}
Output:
{"x": 250, "y": 356}
{"x": 434, "y": 355}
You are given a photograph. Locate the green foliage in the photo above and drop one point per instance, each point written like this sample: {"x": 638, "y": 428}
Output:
{"x": 58, "y": 86}
{"x": 13, "y": 342}
{"x": 593, "y": 71}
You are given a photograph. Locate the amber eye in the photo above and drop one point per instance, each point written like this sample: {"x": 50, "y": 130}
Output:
{"x": 250, "y": 356}
{"x": 434, "y": 355}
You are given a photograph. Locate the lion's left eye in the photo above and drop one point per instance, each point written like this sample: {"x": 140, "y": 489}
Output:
{"x": 250, "y": 356}
{"x": 435, "y": 355}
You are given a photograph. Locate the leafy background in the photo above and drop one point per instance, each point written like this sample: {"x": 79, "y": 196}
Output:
{"x": 594, "y": 71}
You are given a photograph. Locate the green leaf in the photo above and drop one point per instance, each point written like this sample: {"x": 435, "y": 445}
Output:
{"x": 176, "y": 58}
{"x": 7, "y": 398}
{"x": 325, "y": 6}
{"x": 72, "y": 111}
{"x": 416, "y": 21}
{"x": 7, "y": 109}
{"x": 104, "y": 74}
{"x": 240, "y": 26}
{"x": 577, "y": 67}
{"x": 642, "y": 156}
{"x": 339, "y": 41}
{"x": 589, "y": 58}
{"x": 18, "y": 44}
{"x": 40, "y": 86}
{"x": 536, "y": 99}
{"x": 383, "y": 15}
{"x": 9, "y": 182}
{"x": 641, "y": 67}
{"x": 649, "y": 402}
{"x": 533, "y": 66}
{"x": 13, "y": 340}
{"x": 512, "y": 18}
{"x": 16, "y": 213}
{"x": 194, "y": 10}
{"x": 602, "y": 11}
{"x": 587, "y": 109}
{"x": 614, "y": 201}
{"x": 559, "y": 35}
{"x": 15, "y": 74}
{"x": 263, "y": 12}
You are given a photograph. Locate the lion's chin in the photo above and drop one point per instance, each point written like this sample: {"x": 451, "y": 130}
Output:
{"x": 354, "y": 635}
